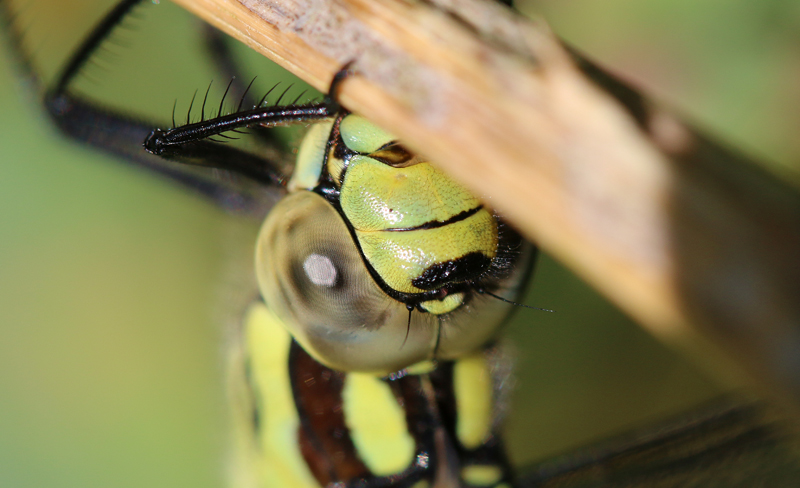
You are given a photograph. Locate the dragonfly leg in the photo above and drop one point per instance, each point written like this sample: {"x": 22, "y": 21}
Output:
{"x": 121, "y": 134}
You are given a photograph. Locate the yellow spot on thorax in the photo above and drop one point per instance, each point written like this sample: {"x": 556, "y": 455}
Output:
{"x": 267, "y": 345}
{"x": 377, "y": 424}
{"x": 481, "y": 475}
{"x": 472, "y": 384}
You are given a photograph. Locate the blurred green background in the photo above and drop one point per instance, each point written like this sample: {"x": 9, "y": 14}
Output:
{"x": 113, "y": 283}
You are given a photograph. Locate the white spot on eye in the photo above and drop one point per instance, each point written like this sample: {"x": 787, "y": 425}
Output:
{"x": 320, "y": 270}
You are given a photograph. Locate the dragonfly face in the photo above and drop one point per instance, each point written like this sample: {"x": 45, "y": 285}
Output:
{"x": 377, "y": 262}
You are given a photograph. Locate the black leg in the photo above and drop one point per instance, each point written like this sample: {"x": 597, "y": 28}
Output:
{"x": 123, "y": 135}
{"x": 218, "y": 46}
{"x": 90, "y": 45}
{"x": 173, "y": 142}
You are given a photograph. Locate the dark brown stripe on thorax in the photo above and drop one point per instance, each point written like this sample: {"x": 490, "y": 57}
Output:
{"x": 324, "y": 437}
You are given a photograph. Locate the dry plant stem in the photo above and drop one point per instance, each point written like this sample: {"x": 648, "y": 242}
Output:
{"x": 698, "y": 245}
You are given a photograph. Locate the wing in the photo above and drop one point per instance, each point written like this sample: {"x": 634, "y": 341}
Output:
{"x": 731, "y": 444}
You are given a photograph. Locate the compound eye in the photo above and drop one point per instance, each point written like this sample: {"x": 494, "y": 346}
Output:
{"x": 312, "y": 276}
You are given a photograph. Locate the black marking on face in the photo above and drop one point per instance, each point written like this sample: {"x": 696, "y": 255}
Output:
{"x": 465, "y": 268}
{"x": 435, "y": 224}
